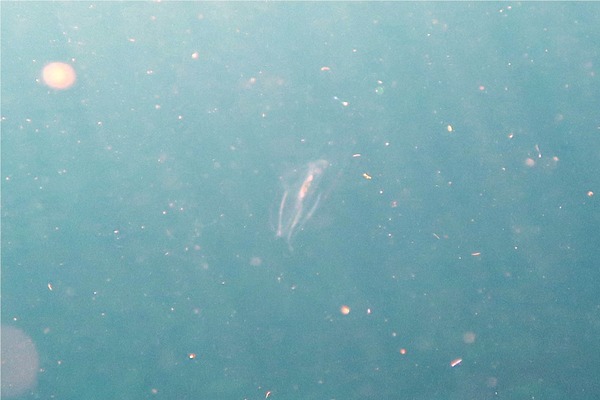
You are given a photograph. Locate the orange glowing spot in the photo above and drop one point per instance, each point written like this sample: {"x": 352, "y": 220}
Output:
{"x": 58, "y": 75}
{"x": 403, "y": 351}
{"x": 192, "y": 356}
{"x": 345, "y": 310}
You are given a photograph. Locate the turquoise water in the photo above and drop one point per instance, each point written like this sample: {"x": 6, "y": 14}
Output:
{"x": 457, "y": 216}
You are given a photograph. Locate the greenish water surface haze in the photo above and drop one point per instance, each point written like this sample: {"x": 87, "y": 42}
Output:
{"x": 303, "y": 200}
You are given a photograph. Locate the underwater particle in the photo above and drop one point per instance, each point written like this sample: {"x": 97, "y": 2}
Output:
{"x": 455, "y": 362}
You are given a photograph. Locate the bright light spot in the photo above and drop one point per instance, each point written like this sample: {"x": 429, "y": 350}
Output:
{"x": 58, "y": 75}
